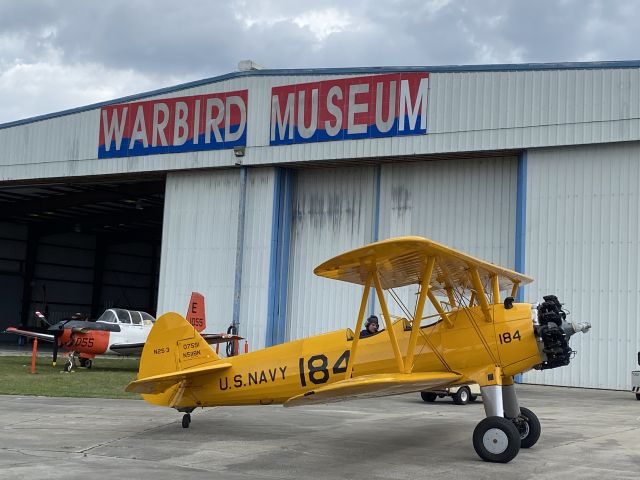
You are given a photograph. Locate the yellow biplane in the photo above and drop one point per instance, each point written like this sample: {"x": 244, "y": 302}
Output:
{"x": 474, "y": 336}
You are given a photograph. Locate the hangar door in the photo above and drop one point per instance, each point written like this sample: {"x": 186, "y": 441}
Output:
{"x": 582, "y": 244}
{"x": 332, "y": 212}
{"x": 468, "y": 204}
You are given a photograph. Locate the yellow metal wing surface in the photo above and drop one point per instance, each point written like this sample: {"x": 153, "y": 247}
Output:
{"x": 400, "y": 261}
{"x": 370, "y": 386}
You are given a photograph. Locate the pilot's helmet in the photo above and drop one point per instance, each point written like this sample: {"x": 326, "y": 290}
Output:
{"x": 370, "y": 320}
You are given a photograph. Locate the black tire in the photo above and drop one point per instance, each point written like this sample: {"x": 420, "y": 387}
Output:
{"x": 85, "y": 362}
{"x": 186, "y": 420}
{"x": 429, "y": 396}
{"x": 496, "y": 439}
{"x": 530, "y": 435}
{"x": 473, "y": 398}
{"x": 637, "y": 396}
{"x": 68, "y": 366}
{"x": 462, "y": 396}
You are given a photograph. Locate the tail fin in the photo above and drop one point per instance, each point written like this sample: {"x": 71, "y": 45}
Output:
{"x": 196, "y": 313}
{"x": 173, "y": 354}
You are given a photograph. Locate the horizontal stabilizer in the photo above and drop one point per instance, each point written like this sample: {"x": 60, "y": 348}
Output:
{"x": 47, "y": 337}
{"x": 160, "y": 383}
{"x": 215, "y": 338}
{"x": 370, "y": 386}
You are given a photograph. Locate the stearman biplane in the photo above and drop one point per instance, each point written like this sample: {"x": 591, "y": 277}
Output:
{"x": 477, "y": 334}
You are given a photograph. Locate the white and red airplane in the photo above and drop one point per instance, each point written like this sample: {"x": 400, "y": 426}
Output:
{"x": 116, "y": 331}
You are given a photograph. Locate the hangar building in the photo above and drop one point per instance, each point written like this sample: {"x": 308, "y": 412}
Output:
{"x": 238, "y": 186}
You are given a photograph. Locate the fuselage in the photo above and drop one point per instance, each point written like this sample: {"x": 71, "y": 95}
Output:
{"x": 471, "y": 347}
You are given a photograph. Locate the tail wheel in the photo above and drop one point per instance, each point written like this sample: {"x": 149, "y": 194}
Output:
{"x": 429, "y": 396}
{"x": 529, "y": 428}
{"x": 186, "y": 420}
{"x": 462, "y": 396}
{"x": 496, "y": 439}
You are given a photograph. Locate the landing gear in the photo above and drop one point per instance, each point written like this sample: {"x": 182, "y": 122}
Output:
{"x": 528, "y": 426}
{"x": 69, "y": 365}
{"x": 85, "y": 362}
{"x": 496, "y": 439}
{"x": 186, "y": 420}
{"x": 462, "y": 396}
{"x": 507, "y": 428}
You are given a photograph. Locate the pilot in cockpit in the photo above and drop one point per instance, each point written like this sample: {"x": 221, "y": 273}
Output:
{"x": 371, "y": 327}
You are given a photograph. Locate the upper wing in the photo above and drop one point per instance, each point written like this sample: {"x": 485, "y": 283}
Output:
{"x": 159, "y": 383}
{"x": 400, "y": 261}
{"x": 47, "y": 337}
{"x": 369, "y": 386}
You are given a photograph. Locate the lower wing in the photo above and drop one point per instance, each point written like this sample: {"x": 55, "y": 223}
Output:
{"x": 370, "y": 386}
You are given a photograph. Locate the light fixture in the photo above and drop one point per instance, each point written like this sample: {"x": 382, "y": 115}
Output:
{"x": 239, "y": 151}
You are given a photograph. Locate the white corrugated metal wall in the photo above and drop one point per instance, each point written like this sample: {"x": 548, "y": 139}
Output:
{"x": 332, "y": 213}
{"x": 199, "y": 243}
{"x": 256, "y": 259}
{"x": 199, "y": 247}
{"x": 582, "y": 244}
{"x": 468, "y": 204}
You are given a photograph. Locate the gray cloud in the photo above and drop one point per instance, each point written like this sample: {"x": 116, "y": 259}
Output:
{"x": 101, "y": 50}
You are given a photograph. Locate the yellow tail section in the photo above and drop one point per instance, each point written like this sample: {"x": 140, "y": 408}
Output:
{"x": 173, "y": 355}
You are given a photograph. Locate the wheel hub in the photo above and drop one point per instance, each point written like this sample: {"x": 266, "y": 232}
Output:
{"x": 495, "y": 441}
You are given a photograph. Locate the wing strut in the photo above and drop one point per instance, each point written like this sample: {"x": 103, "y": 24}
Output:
{"x": 387, "y": 321}
{"x": 480, "y": 296}
{"x": 415, "y": 328}
{"x": 356, "y": 338}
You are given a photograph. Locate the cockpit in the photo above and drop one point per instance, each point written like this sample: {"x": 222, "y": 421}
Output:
{"x": 132, "y": 317}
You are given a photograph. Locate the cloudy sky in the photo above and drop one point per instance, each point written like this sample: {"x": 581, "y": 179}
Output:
{"x": 58, "y": 54}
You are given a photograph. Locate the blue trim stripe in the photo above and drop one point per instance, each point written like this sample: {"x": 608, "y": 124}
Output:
{"x": 338, "y": 71}
{"x": 521, "y": 218}
{"x": 274, "y": 257}
{"x": 279, "y": 258}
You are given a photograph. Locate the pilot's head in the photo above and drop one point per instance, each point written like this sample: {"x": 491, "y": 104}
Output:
{"x": 372, "y": 324}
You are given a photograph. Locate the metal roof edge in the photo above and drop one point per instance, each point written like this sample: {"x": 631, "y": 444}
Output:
{"x": 503, "y": 67}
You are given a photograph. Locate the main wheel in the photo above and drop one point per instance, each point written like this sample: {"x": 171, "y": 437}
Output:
{"x": 186, "y": 420}
{"x": 473, "y": 398}
{"x": 529, "y": 428}
{"x": 637, "y": 396}
{"x": 496, "y": 439}
{"x": 68, "y": 366}
{"x": 462, "y": 396}
{"x": 428, "y": 396}
{"x": 85, "y": 362}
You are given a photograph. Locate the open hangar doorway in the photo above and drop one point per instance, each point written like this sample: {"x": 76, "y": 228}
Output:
{"x": 79, "y": 247}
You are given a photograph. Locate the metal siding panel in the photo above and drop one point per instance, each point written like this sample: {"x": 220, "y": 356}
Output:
{"x": 582, "y": 245}
{"x": 199, "y": 243}
{"x": 332, "y": 213}
{"x": 257, "y": 245}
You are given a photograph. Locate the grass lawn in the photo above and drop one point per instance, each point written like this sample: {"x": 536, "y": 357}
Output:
{"x": 106, "y": 378}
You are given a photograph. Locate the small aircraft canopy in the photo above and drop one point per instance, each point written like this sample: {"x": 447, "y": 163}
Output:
{"x": 120, "y": 315}
{"x": 400, "y": 262}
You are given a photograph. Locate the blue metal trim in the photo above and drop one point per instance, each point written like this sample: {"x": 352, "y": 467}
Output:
{"x": 285, "y": 234}
{"x": 237, "y": 287}
{"x": 376, "y": 225}
{"x": 521, "y": 218}
{"x": 279, "y": 261}
{"x": 337, "y": 71}
{"x": 274, "y": 256}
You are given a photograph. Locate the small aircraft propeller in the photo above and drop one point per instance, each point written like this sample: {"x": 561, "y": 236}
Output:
{"x": 57, "y": 330}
